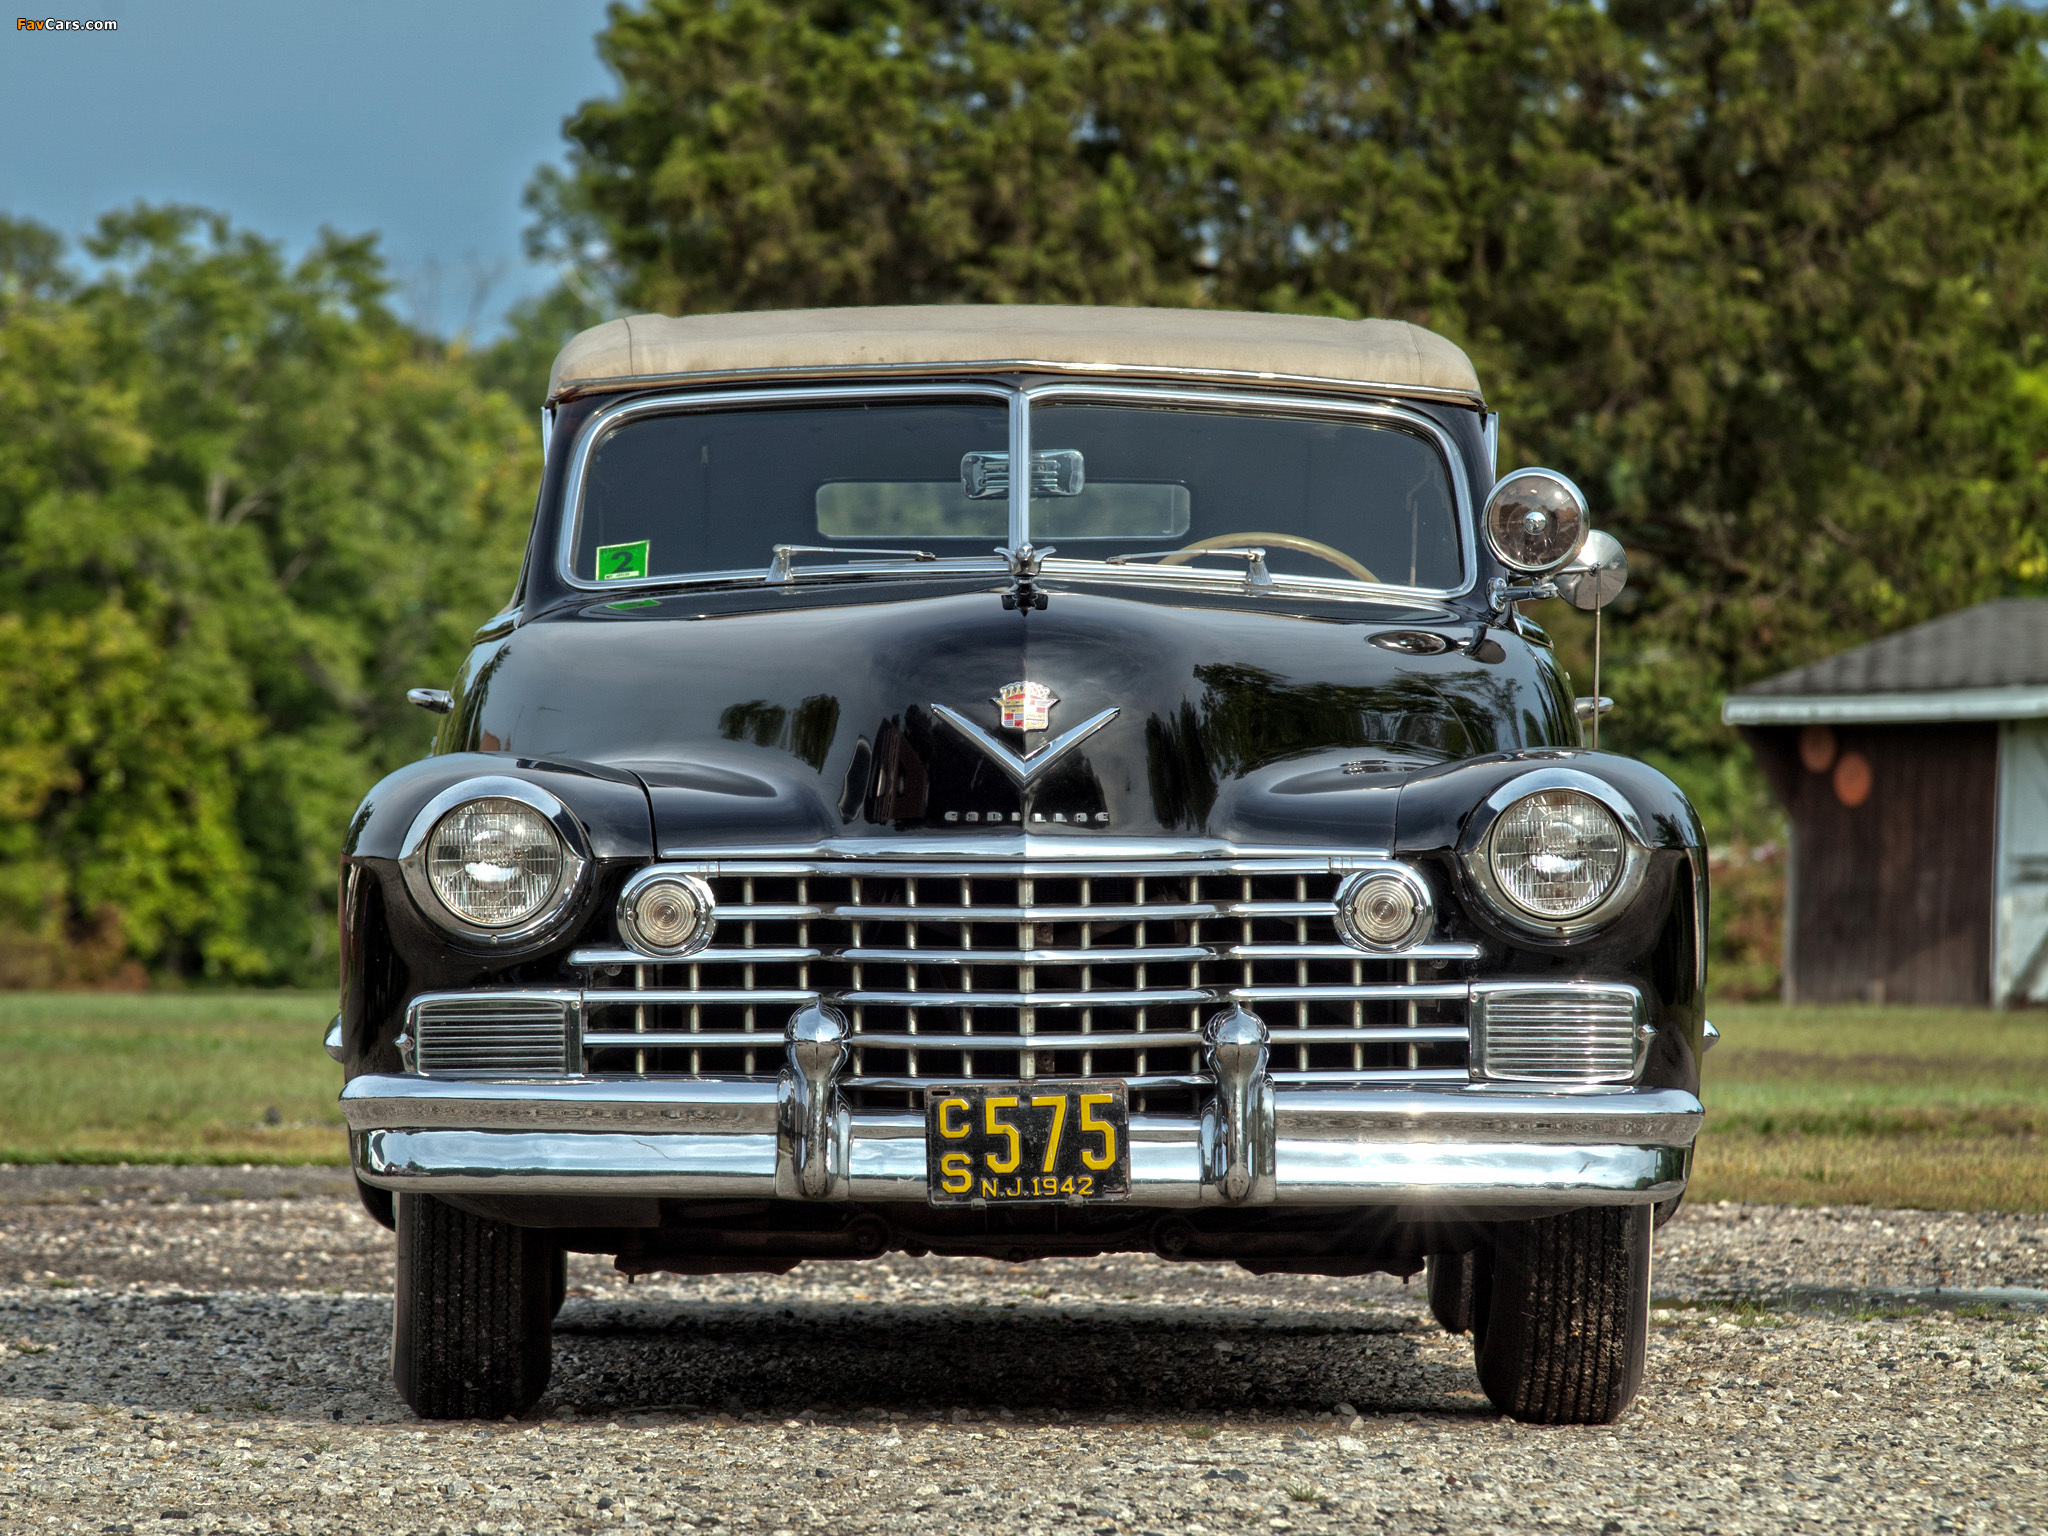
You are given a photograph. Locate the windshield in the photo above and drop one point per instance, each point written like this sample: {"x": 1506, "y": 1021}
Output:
{"x": 717, "y": 490}
{"x": 1325, "y": 497}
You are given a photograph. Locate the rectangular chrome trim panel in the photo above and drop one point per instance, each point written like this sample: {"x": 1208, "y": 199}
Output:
{"x": 499, "y": 1034}
{"x": 1557, "y": 1032}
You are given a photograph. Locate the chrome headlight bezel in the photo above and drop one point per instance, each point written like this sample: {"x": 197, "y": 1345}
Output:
{"x": 1420, "y": 932}
{"x": 1575, "y": 497}
{"x": 1475, "y": 852}
{"x": 627, "y": 912}
{"x": 542, "y": 925}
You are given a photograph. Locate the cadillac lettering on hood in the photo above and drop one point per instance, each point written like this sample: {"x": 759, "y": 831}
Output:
{"x": 847, "y": 842}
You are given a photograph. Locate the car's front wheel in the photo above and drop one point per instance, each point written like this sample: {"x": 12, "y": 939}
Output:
{"x": 1567, "y": 1315}
{"x": 472, "y": 1320}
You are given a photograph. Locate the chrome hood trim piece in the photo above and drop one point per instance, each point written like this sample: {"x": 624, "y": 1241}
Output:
{"x": 1027, "y": 767}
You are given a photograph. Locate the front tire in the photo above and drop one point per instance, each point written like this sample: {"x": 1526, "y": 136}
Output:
{"x": 1568, "y": 1316}
{"x": 473, "y": 1312}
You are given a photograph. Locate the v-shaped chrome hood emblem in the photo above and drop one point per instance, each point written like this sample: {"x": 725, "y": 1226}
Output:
{"x": 1024, "y": 767}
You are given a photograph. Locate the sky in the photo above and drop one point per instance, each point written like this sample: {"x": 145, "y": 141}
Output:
{"x": 420, "y": 119}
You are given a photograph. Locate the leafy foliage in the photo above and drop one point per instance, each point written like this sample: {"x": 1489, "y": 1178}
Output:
{"x": 241, "y": 509}
{"x": 1769, "y": 278}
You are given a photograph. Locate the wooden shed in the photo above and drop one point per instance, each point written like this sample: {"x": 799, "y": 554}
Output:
{"x": 1915, "y": 773}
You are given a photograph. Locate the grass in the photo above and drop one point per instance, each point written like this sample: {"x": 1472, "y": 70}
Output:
{"x": 1926, "y": 1108}
{"x": 1941, "y": 1109}
{"x": 168, "y": 1077}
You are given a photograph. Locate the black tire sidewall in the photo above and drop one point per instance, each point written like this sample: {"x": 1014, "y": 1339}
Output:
{"x": 1567, "y": 1320}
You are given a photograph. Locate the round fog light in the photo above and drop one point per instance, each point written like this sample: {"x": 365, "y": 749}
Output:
{"x": 1384, "y": 910}
{"x": 665, "y": 914}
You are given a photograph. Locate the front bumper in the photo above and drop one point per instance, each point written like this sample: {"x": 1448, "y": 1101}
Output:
{"x": 701, "y": 1137}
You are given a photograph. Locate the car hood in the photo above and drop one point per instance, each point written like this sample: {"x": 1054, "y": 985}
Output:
{"x": 785, "y": 725}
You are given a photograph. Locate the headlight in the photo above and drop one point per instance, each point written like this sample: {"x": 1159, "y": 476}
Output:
{"x": 667, "y": 914}
{"x": 1384, "y": 909}
{"x": 1535, "y": 520}
{"x": 1557, "y": 853}
{"x": 495, "y": 863}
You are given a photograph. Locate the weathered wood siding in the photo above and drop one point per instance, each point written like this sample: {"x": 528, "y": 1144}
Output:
{"x": 1890, "y": 901}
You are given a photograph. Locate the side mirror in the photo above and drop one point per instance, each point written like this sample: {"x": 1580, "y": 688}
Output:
{"x": 1596, "y": 575}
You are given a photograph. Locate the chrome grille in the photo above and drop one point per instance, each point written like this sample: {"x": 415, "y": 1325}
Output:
{"x": 493, "y": 1034}
{"x": 1571, "y": 1033}
{"x": 965, "y": 971}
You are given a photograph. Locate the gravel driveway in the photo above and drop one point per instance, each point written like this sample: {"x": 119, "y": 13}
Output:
{"x": 205, "y": 1352}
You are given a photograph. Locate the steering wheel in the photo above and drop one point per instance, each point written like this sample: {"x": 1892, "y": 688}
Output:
{"x": 1292, "y": 541}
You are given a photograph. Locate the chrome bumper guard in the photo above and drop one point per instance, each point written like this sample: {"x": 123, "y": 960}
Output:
{"x": 1470, "y": 1145}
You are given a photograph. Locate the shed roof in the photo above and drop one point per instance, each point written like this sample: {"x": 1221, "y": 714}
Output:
{"x": 1984, "y": 663}
{"x": 1228, "y": 345}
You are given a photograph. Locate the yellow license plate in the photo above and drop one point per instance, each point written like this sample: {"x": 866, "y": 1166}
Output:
{"x": 1028, "y": 1142}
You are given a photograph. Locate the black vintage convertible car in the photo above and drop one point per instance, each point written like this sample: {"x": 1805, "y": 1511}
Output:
{"x": 1020, "y": 781}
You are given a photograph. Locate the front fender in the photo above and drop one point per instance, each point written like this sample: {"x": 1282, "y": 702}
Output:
{"x": 1434, "y": 806}
{"x": 611, "y": 804}
{"x": 1659, "y": 941}
{"x": 391, "y": 951}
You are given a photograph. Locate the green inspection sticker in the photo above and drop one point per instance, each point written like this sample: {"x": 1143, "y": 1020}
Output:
{"x": 621, "y": 562}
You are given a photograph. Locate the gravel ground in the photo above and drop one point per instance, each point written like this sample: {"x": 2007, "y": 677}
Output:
{"x": 204, "y": 1350}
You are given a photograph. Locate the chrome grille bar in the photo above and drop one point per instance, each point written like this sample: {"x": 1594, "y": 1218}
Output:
{"x": 949, "y": 970}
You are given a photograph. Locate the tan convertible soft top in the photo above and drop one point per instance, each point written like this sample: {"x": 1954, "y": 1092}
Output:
{"x": 1391, "y": 356}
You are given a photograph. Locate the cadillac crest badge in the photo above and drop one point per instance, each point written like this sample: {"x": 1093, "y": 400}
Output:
{"x": 1026, "y": 706}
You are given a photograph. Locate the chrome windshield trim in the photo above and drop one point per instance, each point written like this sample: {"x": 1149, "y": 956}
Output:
{"x": 605, "y": 421}
{"x": 1462, "y": 503}
{"x": 1019, "y": 399}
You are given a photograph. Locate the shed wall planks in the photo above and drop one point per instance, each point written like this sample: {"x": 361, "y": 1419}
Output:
{"x": 1891, "y": 899}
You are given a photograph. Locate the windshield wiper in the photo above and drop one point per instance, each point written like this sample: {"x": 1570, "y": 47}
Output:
{"x": 1256, "y": 576}
{"x": 782, "y": 568}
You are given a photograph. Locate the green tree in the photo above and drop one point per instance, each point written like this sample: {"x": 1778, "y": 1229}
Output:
{"x": 241, "y": 508}
{"x": 1770, "y": 278}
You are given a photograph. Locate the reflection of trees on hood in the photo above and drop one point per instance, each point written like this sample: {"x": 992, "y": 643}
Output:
{"x": 1247, "y": 717}
{"x": 806, "y": 731}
